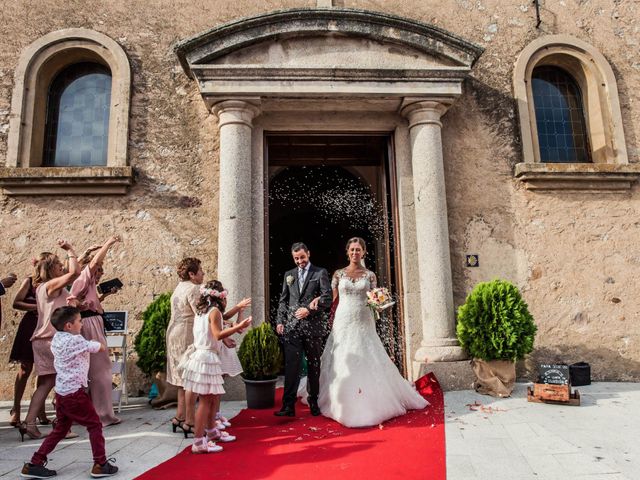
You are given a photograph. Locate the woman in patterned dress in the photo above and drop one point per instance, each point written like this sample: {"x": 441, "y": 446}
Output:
{"x": 180, "y": 336}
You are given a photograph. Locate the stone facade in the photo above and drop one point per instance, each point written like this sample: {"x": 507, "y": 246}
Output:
{"x": 572, "y": 253}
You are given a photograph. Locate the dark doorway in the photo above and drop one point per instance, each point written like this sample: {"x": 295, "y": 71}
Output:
{"x": 323, "y": 190}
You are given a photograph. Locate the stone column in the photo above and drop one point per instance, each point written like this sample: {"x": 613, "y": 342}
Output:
{"x": 439, "y": 343}
{"x": 234, "y": 224}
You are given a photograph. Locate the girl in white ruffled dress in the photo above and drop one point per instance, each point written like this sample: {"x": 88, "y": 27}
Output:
{"x": 201, "y": 370}
{"x": 229, "y": 361}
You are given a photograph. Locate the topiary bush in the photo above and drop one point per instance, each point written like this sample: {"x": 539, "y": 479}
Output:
{"x": 150, "y": 344}
{"x": 260, "y": 353}
{"x": 495, "y": 324}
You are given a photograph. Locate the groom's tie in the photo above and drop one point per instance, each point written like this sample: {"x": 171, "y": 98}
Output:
{"x": 301, "y": 272}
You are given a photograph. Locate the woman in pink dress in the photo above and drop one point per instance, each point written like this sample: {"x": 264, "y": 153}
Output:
{"x": 50, "y": 281}
{"x": 85, "y": 290}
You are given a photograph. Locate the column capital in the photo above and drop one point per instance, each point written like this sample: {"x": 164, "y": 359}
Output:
{"x": 424, "y": 112}
{"x": 235, "y": 111}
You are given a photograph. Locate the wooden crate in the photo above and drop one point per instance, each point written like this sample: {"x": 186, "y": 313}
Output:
{"x": 557, "y": 393}
{"x": 574, "y": 397}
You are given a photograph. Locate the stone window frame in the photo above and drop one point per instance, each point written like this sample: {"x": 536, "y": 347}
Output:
{"x": 40, "y": 62}
{"x": 609, "y": 169}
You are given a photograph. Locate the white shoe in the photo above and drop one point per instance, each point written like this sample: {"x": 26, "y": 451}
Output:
{"x": 216, "y": 435}
{"x": 202, "y": 445}
{"x": 222, "y": 420}
{"x": 220, "y": 425}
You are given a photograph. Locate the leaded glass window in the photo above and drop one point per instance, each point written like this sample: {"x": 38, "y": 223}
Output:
{"x": 562, "y": 132}
{"x": 77, "y": 126}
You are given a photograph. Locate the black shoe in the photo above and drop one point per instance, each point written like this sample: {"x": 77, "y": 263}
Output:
{"x": 105, "y": 470}
{"x": 315, "y": 409}
{"x": 285, "y": 412}
{"x": 187, "y": 429}
{"x": 29, "y": 470}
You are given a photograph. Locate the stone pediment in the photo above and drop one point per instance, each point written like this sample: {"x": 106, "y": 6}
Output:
{"x": 336, "y": 51}
{"x": 326, "y": 52}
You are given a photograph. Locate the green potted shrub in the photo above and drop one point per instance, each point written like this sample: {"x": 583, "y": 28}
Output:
{"x": 496, "y": 329}
{"x": 150, "y": 346}
{"x": 261, "y": 359}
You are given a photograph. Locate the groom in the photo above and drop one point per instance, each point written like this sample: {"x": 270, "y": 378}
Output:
{"x": 303, "y": 329}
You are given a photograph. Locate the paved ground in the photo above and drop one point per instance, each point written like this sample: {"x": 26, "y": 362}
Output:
{"x": 513, "y": 439}
{"x": 501, "y": 439}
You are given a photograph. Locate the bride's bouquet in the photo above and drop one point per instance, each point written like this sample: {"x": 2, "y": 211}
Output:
{"x": 378, "y": 300}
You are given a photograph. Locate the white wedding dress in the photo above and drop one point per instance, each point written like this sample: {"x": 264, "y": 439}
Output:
{"x": 359, "y": 384}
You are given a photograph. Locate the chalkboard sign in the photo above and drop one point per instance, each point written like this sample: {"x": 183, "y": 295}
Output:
{"x": 115, "y": 322}
{"x": 553, "y": 374}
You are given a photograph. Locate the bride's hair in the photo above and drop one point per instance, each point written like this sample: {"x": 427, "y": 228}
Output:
{"x": 356, "y": 240}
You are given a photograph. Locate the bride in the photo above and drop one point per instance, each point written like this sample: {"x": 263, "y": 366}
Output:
{"x": 359, "y": 384}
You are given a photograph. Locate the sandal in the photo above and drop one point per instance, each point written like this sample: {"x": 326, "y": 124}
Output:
{"x": 202, "y": 445}
{"x": 43, "y": 420}
{"x": 116, "y": 421}
{"x": 222, "y": 420}
{"x": 30, "y": 430}
{"x": 187, "y": 429}
{"x": 216, "y": 435}
{"x": 176, "y": 423}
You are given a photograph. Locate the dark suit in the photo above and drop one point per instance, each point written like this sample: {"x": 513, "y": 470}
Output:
{"x": 307, "y": 335}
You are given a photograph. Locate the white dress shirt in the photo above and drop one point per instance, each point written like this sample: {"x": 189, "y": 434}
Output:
{"x": 71, "y": 361}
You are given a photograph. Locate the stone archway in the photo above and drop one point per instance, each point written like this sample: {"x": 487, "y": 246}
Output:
{"x": 338, "y": 70}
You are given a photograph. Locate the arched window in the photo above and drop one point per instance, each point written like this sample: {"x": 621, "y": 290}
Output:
{"x": 69, "y": 122}
{"x": 560, "y": 120}
{"x": 77, "y": 125}
{"x": 570, "y": 121}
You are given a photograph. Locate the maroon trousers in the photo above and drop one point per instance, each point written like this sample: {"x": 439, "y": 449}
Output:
{"x": 75, "y": 407}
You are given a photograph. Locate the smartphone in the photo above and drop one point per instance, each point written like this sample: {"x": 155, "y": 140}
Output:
{"x": 106, "y": 287}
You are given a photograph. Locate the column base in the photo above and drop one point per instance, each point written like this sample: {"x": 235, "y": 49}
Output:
{"x": 451, "y": 375}
{"x": 441, "y": 350}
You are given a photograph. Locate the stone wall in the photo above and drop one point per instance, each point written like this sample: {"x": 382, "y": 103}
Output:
{"x": 573, "y": 255}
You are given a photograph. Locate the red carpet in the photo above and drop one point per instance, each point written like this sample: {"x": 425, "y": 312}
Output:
{"x": 316, "y": 448}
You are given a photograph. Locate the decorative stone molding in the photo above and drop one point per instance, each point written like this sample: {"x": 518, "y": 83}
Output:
{"x": 66, "y": 180}
{"x": 235, "y": 112}
{"x": 245, "y": 58}
{"x": 597, "y": 83}
{"x": 600, "y": 177}
{"x": 208, "y": 46}
{"x": 426, "y": 111}
{"x": 39, "y": 63}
